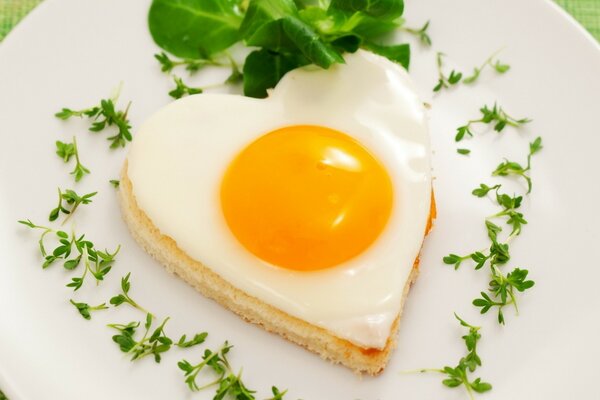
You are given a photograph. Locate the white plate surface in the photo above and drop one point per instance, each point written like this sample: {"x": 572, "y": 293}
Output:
{"x": 73, "y": 52}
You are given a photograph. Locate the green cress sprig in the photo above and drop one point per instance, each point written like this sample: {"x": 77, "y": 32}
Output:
{"x": 168, "y": 64}
{"x": 228, "y": 383}
{"x": 72, "y": 199}
{"x": 511, "y": 168}
{"x": 68, "y": 150}
{"x": 181, "y": 89}
{"x": 445, "y": 81}
{"x": 421, "y": 33}
{"x": 104, "y": 115}
{"x": 287, "y": 34}
{"x": 72, "y": 250}
{"x": 115, "y": 183}
{"x": 85, "y": 309}
{"x": 124, "y": 297}
{"x": 494, "y": 115}
{"x": 502, "y": 289}
{"x": 154, "y": 343}
{"x": 491, "y": 62}
{"x": 455, "y": 77}
{"x": 459, "y": 375}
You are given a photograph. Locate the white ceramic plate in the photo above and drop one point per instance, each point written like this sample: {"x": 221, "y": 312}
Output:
{"x": 73, "y": 52}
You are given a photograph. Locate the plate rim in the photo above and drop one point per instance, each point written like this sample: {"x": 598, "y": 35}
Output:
{"x": 12, "y": 37}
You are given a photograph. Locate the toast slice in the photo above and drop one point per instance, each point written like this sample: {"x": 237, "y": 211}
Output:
{"x": 316, "y": 339}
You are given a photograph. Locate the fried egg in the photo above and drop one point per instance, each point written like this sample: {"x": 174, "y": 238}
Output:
{"x": 314, "y": 200}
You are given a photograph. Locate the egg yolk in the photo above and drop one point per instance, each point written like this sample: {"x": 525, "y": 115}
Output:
{"x": 306, "y": 198}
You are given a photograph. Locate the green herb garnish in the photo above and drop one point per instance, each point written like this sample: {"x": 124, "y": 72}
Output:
{"x": 115, "y": 183}
{"x": 502, "y": 288}
{"x": 495, "y": 115}
{"x": 68, "y": 150}
{"x": 85, "y": 309}
{"x": 124, "y": 297}
{"x": 168, "y": 64}
{"x": 459, "y": 375}
{"x": 181, "y": 89}
{"x": 154, "y": 343}
{"x": 421, "y": 33}
{"x": 507, "y": 167}
{"x": 501, "y": 291}
{"x": 72, "y": 250}
{"x": 72, "y": 199}
{"x": 228, "y": 384}
{"x": 445, "y": 81}
{"x": 104, "y": 115}
{"x": 498, "y": 252}
{"x": 491, "y": 62}
{"x": 97, "y": 263}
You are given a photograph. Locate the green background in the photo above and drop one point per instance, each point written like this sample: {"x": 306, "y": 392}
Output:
{"x": 585, "y": 11}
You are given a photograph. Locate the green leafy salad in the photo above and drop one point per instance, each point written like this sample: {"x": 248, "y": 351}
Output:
{"x": 283, "y": 34}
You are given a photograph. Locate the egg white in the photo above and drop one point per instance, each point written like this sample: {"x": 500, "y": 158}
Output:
{"x": 179, "y": 156}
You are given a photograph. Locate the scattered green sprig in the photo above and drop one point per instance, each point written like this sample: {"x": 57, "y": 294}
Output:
{"x": 124, "y": 297}
{"x": 227, "y": 382}
{"x": 85, "y": 309}
{"x": 509, "y": 205}
{"x": 198, "y": 338}
{"x": 464, "y": 152}
{"x": 72, "y": 199}
{"x": 277, "y": 394}
{"x": 97, "y": 263}
{"x": 445, "y": 81}
{"x": 507, "y": 167}
{"x": 193, "y": 65}
{"x": 167, "y": 64}
{"x": 181, "y": 89}
{"x": 491, "y": 62}
{"x": 498, "y": 252}
{"x": 495, "y": 115}
{"x": 459, "y": 375}
{"x": 421, "y": 33}
{"x": 115, "y": 183}
{"x": 68, "y": 150}
{"x": 455, "y": 77}
{"x": 151, "y": 344}
{"x": 71, "y": 250}
{"x": 501, "y": 291}
{"x": 104, "y": 115}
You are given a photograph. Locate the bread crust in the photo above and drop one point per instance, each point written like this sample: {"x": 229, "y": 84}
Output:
{"x": 316, "y": 339}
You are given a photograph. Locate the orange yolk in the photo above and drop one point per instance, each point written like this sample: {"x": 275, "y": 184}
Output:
{"x": 306, "y": 198}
